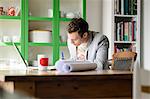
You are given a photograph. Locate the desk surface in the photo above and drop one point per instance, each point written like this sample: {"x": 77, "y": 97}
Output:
{"x": 8, "y": 75}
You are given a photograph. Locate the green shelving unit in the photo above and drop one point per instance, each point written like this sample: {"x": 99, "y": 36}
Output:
{"x": 40, "y": 19}
{"x": 40, "y": 44}
{"x": 54, "y": 21}
{"x": 65, "y": 19}
{"x": 20, "y": 18}
{"x": 8, "y": 44}
{"x": 63, "y": 44}
{"x": 10, "y": 17}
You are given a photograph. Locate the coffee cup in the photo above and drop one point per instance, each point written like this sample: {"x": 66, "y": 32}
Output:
{"x": 42, "y": 62}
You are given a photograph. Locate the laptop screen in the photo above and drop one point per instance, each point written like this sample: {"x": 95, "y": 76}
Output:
{"x": 20, "y": 55}
{"x": 25, "y": 64}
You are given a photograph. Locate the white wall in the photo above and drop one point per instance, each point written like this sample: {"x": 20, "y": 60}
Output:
{"x": 142, "y": 77}
{"x": 107, "y": 22}
{"x": 145, "y": 48}
{"x": 94, "y": 15}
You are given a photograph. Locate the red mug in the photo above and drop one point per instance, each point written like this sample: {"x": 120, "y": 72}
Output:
{"x": 44, "y": 61}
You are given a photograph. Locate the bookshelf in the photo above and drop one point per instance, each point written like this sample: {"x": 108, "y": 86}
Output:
{"x": 126, "y": 26}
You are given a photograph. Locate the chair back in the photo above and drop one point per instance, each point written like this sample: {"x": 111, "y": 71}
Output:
{"x": 123, "y": 60}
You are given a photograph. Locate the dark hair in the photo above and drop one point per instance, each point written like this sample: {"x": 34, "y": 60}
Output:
{"x": 78, "y": 25}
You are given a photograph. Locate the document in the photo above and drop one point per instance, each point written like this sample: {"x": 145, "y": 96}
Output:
{"x": 73, "y": 66}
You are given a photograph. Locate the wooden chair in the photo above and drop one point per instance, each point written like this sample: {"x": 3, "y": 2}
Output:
{"x": 123, "y": 60}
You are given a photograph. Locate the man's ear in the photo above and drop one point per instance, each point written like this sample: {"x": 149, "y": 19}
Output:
{"x": 85, "y": 35}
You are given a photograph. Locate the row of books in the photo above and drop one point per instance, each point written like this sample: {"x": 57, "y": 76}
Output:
{"x": 125, "y": 7}
{"x": 125, "y": 31}
{"x": 125, "y": 47}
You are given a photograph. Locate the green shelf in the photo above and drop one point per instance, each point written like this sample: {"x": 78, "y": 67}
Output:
{"x": 65, "y": 19}
{"x": 32, "y": 18}
{"x": 8, "y": 43}
{"x": 40, "y": 44}
{"x": 10, "y": 17}
{"x": 63, "y": 44}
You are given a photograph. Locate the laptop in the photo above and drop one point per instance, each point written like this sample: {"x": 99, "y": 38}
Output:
{"x": 25, "y": 63}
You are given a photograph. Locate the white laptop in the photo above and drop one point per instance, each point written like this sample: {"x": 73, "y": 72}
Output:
{"x": 25, "y": 63}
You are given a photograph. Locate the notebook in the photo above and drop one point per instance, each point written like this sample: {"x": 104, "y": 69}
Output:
{"x": 25, "y": 63}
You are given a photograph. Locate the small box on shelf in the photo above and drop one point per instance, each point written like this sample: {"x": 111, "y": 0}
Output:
{"x": 63, "y": 38}
{"x": 40, "y": 36}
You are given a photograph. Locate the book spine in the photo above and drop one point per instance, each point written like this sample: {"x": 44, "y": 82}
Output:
{"x": 132, "y": 6}
{"x": 135, "y": 7}
{"x": 122, "y": 7}
{"x": 115, "y": 6}
{"x": 126, "y": 29}
{"x": 115, "y": 32}
{"x": 118, "y": 31}
{"x": 130, "y": 31}
{"x": 122, "y": 31}
{"x": 135, "y": 30}
{"x": 126, "y": 7}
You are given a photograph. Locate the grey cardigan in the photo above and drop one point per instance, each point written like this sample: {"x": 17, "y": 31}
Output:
{"x": 97, "y": 50}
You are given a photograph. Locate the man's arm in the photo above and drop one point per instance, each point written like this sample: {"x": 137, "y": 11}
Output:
{"x": 102, "y": 54}
{"x": 101, "y": 58}
{"x": 72, "y": 50}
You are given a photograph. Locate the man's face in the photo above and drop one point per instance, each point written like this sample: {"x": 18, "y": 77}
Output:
{"x": 75, "y": 38}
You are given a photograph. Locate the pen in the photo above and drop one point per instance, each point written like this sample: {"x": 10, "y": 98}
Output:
{"x": 76, "y": 53}
{"x": 62, "y": 56}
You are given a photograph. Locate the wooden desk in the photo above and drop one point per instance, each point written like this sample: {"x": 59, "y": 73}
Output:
{"x": 51, "y": 84}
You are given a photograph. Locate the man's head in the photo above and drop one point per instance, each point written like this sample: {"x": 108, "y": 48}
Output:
{"x": 78, "y": 31}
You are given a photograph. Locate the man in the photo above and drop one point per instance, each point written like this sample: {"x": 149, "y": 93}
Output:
{"x": 87, "y": 45}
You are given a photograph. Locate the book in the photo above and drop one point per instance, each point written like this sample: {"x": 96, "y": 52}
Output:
{"x": 126, "y": 7}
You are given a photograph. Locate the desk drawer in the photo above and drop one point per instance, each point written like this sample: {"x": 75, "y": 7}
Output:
{"x": 84, "y": 88}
